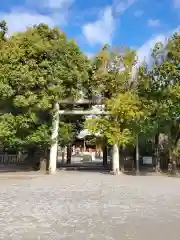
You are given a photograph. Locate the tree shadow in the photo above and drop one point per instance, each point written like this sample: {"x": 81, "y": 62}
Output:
{"x": 97, "y": 166}
{"x": 14, "y": 168}
{"x": 150, "y": 171}
{"x": 84, "y": 167}
{"x": 140, "y": 173}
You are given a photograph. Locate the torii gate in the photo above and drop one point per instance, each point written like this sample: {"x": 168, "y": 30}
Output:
{"x": 54, "y": 145}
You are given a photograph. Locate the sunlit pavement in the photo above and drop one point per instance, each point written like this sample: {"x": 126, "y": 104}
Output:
{"x": 89, "y": 205}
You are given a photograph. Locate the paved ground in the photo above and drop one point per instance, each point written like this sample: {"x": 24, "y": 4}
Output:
{"x": 89, "y": 205}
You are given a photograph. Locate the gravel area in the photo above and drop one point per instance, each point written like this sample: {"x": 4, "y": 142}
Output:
{"x": 89, "y": 205}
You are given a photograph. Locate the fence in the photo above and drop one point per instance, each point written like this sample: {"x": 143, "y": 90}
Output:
{"x": 9, "y": 159}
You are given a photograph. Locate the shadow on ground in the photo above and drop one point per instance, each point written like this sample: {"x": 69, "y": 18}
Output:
{"x": 14, "y": 169}
{"x": 99, "y": 167}
{"x": 84, "y": 167}
{"x": 151, "y": 172}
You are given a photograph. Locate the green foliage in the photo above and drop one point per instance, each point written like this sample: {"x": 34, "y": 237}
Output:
{"x": 111, "y": 130}
{"x": 146, "y": 106}
{"x": 119, "y": 127}
{"x": 66, "y": 133}
{"x": 163, "y": 90}
{"x": 112, "y": 70}
{"x": 37, "y": 68}
{"x": 41, "y": 66}
{"x": 113, "y": 79}
{"x": 3, "y": 30}
{"x": 125, "y": 106}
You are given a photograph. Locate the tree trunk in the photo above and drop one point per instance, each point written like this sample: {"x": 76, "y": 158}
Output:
{"x": 137, "y": 155}
{"x": 105, "y": 155}
{"x": 46, "y": 158}
{"x": 69, "y": 153}
{"x": 38, "y": 159}
{"x": 63, "y": 155}
{"x": 172, "y": 166}
{"x": 121, "y": 159}
{"x": 115, "y": 160}
{"x": 157, "y": 156}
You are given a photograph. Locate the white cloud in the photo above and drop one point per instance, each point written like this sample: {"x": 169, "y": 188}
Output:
{"x": 153, "y": 23}
{"x": 138, "y": 13}
{"x": 101, "y": 30}
{"x": 177, "y": 3}
{"x": 18, "y": 21}
{"x": 52, "y": 4}
{"x": 20, "y": 18}
{"x": 145, "y": 51}
{"x": 89, "y": 54}
{"x": 123, "y": 5}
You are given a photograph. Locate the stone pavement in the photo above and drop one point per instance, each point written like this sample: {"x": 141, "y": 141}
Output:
{"x": 89, "y": 205}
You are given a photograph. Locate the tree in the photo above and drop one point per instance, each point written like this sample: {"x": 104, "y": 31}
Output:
{"x": 38, "y": 67}
{"x": 163, "y": 92}
{"x": 119, "y": 127}
{"x": 3, "y": 30}
{"x": 113, "y": 75}
{"x": 169, "y": 74}
{"x": 150, "y": 98}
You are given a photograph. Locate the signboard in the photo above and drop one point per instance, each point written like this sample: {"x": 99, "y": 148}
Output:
{"x": 147, "y": 160}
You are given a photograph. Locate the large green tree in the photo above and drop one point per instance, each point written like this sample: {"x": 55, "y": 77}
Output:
{"x": 38, "y": 67}
{"x": 160, "y": 87}
{"x": 112, "y": 79}
{"x": 167, "y": 74}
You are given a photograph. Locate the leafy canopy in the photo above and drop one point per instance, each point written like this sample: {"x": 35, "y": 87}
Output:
{"x": 37, "y": 68}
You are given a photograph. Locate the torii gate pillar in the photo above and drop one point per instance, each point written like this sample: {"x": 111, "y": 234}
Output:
{"x": 54, "y": 144}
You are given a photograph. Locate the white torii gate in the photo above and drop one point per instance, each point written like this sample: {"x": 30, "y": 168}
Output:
{"x": 54, "y": 145}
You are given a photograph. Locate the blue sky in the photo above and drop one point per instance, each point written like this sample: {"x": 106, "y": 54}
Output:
{"x": 136, "y": 23}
